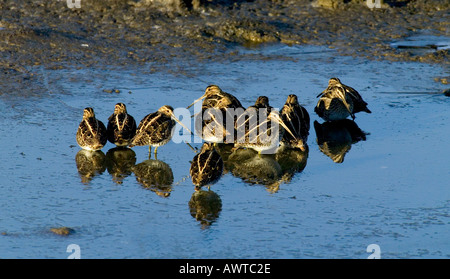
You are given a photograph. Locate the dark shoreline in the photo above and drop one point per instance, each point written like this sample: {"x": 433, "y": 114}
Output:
{"x": 150, "y": 35}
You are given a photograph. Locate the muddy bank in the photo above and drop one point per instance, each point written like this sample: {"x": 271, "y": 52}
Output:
{"x": 54, "y": 34}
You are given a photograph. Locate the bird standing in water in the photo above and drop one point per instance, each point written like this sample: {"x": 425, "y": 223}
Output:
{"x": 91, "y": 133}
{"x": 121, "y": 126}
{"x": 257, "y": 131}
{"x": 156, "y": 129}
{"x": 247, "y": 123}
{"x": 214, "y": 97}
{"x": 206, "y": 167}
{"x": 338, "y": 101}
{"x": 217, "y": 107}
{"x": 297, "y": 119}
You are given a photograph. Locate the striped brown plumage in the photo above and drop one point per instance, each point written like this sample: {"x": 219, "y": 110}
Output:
{"x": 156, "y": 129}
{"x": 256, "y": 131}
{"x": 338, "y": 101}
{"x": 91, "y": 132}
{"x": 217, "y": 107}
{"x": 297, "y": 119}
{"x": 121, "y": 126}
{"x": 215, "y": 97}
{"x": 206, "y": 167}
{"x": 253, "y": 120}
{"x": 358, "y": 103}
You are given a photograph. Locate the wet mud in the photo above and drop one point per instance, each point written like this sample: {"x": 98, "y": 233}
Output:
{"x": 156, "y": 35}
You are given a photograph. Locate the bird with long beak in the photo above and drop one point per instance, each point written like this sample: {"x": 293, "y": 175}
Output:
{"x": 334, "y": 103}
{"x": 217, "y": 107}
{"x": 91, "y": 132}
{"x": 206, "y": 167}
{"x": 121, "y": 126}
{"x": 265, "y": 134}
{"x": 296, "y": 117}
{"x": 156, "y": 129}
{"x": 214, "y": 97}
{"x": 248, "y": 121}
{"x": 338, "y": 101}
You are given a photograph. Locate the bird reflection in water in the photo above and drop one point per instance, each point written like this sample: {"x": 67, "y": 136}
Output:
{"x": 292, "y": 161}
{"x": 335, "y": 138}
{"x": 270, "y": 170}
{"x": 224, "y": 150}
{"x": 90, "y": 164}
{"x": 154, "y": 175}
{"x": 119, "y": 163}
{"x": 205, "y": 206}
{"x": 254, "y": 168}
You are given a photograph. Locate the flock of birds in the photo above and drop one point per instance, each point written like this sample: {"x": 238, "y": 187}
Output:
{"x": 336, "y": 102}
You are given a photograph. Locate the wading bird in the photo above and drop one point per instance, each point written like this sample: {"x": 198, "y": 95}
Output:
{"x": 156, "y": 129}
{"x": 121, "y": 126}
{"x": 214, "y": 97}
{"x": 91, "y": 133}
{"x": 297, "y": 119}
{"x": 257, "y": 131}
{"x": 215, "y": 122}
{"x": 338, "y": 101}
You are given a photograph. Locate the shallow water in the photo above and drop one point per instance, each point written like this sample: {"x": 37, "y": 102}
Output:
{"x": 390, "y": 189}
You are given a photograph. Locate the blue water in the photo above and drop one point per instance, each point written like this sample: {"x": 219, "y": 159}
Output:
{"x": 391, "y": 189}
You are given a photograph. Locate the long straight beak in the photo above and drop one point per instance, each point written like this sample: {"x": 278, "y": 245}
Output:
{"x": 301, "y": 144}
{"x": 320, "y": 94}
{"x": 179, "y": 122}
{"x": 195, "y": 114}
{"x": 280, "y": 121}
{"x": 190, "y": 146}
{"x": 199, "y": 99}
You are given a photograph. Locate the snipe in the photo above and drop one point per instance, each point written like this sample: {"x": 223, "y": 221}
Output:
{"x": 156, "y": 129}
{"x": 297, "y": 119}
{"x": 338, "y": 101}
{"x": 91, "y": 133}
{"x": 213, "y": 123}
{"x": 214, "y": 97}
{"x": 260, "y": 127}
{"x": 121, "y": 126}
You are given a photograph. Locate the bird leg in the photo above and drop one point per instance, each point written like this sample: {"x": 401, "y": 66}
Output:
{"x": 156, "y": 148}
